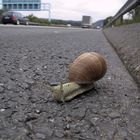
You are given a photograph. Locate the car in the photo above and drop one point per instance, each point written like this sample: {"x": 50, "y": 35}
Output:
{"x": 14, "y": 18}
{"x": 68, "y": 25}
{"x": 98, "y": 27}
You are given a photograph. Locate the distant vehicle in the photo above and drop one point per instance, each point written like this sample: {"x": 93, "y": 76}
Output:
{"x": 68, "y": 25}
{"x": 98, "y": 27}
{"x": 86, "y": 22}
{"x": 14, "y": 18}
{"x": 98, "y": 24}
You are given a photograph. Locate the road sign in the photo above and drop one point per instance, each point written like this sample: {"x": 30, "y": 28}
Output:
{"x": 26, "y": 5}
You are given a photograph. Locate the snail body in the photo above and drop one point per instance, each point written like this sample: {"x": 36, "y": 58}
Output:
{"x": 68, "y": 91}
{"x": 83, "y": 72}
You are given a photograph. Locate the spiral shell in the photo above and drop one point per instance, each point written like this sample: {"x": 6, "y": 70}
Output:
{"x": 87, "y": 68}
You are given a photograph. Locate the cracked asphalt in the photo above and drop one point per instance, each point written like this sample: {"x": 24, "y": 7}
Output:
{"x": 31, "y": 56}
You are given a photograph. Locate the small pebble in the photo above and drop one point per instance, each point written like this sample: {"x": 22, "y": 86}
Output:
{"x": 137, "y": 68}
{"x": 114, "y": 115}
{"x": 45, "y": 67}
{"x": 51, "y": 120}
{"x": 21, "y": 69}
{"x": 2, "y": 110}
{"x": 37, "y": 111}
{"x": 109, "y": 78}
{"x": 1, "y": 84}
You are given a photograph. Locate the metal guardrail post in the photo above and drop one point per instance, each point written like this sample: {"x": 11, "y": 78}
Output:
{"x": 129, "y": 5}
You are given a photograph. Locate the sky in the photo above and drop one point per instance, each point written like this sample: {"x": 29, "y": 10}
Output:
{"x": 74, "y": 9}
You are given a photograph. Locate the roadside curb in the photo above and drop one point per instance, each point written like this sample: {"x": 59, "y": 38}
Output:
{"x": 133, "y": 68}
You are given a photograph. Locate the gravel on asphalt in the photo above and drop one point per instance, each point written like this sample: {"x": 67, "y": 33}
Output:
{"x": 31, "y": 56}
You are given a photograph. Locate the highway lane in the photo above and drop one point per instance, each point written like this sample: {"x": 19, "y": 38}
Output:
{"x": 31, "y": 55}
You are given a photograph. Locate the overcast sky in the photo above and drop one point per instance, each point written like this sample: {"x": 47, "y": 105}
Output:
{"x": 74, "y": 9}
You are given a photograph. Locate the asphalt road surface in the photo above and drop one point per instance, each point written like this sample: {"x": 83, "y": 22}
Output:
{"x": 31, "y": 55}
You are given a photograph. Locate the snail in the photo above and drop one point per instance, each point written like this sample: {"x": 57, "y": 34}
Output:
{"x": 83, "y": 72}
{"x": 88, "y": 67}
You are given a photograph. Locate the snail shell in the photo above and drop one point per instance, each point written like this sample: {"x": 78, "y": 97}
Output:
{"x": 87, "y": 68}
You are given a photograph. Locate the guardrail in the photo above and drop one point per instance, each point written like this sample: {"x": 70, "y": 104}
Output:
{"x": 129, "y": 5}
